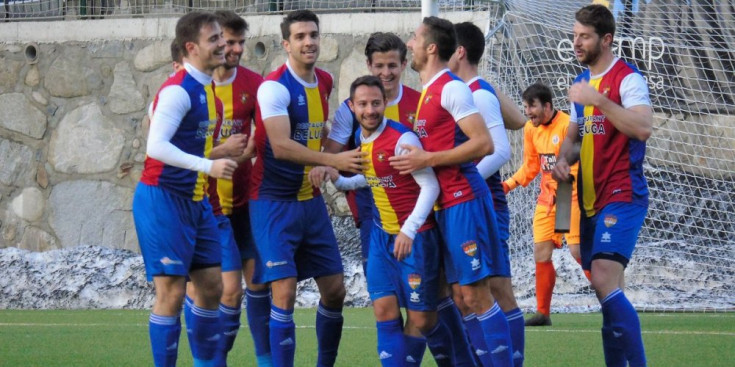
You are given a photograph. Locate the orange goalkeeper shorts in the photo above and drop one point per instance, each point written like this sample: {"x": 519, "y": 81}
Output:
{"x": 543, "y": 225}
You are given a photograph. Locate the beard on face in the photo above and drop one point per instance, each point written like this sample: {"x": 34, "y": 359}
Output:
{"x": 591, "y": 56}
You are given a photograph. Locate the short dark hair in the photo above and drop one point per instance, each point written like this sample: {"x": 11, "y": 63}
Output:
{"x": 230, "y": 20}
{"x": 294, "y": 17}
{"x": 369, "y": 81}
{"x": 598, "y": 17}
{"x": 176, "y": 55}
{"x": 384, "y": 42}
{"x": 472, "y": 39}
{"x": 188, "y": 27}
{"x": 538, "y": 91}
{"x": 441, "y": 32}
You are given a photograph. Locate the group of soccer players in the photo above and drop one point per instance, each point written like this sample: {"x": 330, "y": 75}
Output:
{"x": 423, "y": 169}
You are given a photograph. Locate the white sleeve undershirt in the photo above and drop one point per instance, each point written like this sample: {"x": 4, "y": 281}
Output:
{"x": 273, "y": 99}
{"x": 426, "y": 179}
{"x": 489, "y": 107}
{"x": 457, "y": 99}
{"x": 173, "y": 104}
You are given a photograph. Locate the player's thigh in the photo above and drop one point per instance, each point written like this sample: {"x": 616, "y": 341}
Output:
{"x": 277, "y": 231}
{"x": 419, "y": 273}
{"x": 318, "y": 254}
{"x": 543, "y": 226}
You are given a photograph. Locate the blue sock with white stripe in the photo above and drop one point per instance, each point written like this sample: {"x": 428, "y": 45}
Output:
{"x": 230, "y": 321}
{"x": 517, "y": 335}
{"x": 164, "y": 333}
{"x": 622, "y": 329}
{"x": 329, "y": 323}
{"x": 391, "y": 344}
{"x": 439, "y": 342}
{"x": 477, "y": 339}
{"x": 415, "y": 348}
{"x": 497, "y": 336}
{"x": 282, "y": 337}
{"x": 452, "y": 319}
{"x": 258, "y": 310}
{"x": 206, "y": 331}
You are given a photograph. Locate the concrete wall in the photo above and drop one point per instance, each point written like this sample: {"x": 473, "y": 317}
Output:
{"x": 74, "y": 94}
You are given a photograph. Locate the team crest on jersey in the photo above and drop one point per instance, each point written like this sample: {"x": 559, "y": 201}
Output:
{"x": 555, "y": 139}
{"x": 605, "y": 91}
{"x": 244, "y": 98}
{"x": 414, "y": 280}
{"x": 610, "y": 220}
{"x": 381, "y": 155}
{"x": 411, "y": 117}
{"x": 470, "y": 248}
{"x": 428, "y": 98}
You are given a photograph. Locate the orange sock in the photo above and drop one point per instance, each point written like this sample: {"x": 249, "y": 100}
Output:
{"x": 586, "y": 272}
{"x": 545, "y": 280}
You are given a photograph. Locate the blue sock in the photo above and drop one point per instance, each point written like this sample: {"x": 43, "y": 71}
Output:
{"x": 450, "y": 316}
{"x": 328, "y": 334}
{"x": 188, "y": 302}
{"x": 164, "y": 332}
{"x": 415, "y": 348}
{"x": 230, "y": 320}
{"x": 282, "y": 337}
{"x": 258, "y": 310}
{"x": 517, "y": 335}
{"x": 477, "y": 339}
{"x": 625, "y": 326}
{"x": 206, "y": 331}
{"x": 497, "y": 336}
{"x": 391, "y": 344}
{"x": 439, "y": 342}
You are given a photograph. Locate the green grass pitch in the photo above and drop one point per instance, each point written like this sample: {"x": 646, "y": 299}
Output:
{"x": 120, "y": 338}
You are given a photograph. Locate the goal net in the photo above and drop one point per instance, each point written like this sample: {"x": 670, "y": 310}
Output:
{"x": 685, "y": 257}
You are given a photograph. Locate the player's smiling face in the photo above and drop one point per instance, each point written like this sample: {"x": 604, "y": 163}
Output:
{"x": 234, "y": 46}
{"x": 302, "y": 45}
{"x": 417, "y": 45}
{"x": 537, "y": 112}
{"x": 587, "y": 44}
{"x": 209, "y": 50}
{"x": 368, "y": 104}
{"x": 388, "y": 67}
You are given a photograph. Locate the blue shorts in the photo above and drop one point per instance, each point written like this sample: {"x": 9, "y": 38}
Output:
{"x": 415, "y": 280}
{"x": 230, "y": 254}
{"x": 472, "y": 248}
{"x": 175, "y": 234}
{"x": 243, "y": 234}
{"x": 612, "y": 233}
{"x": 503, "y": 218}
{"x": 294, "y": 239}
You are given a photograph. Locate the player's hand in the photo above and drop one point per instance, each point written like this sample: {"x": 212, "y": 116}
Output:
{"x": 583, "y": 93}
{"x": 506, "y": 188}
{"x": 223, "y": 168}
{"x": 249, "y": 151}
{"x": 402, "y": 246}
{"x": 414, "y": 160}
{"x": 318, "y": 175}
{"x": 235, "y": 145}
{"x": 561, "y": 170}
{"x": 332, "y": 173}
{"x": 350, "y": 161}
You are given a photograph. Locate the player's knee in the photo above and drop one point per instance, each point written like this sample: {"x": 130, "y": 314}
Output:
{"x": 334, "y": 296}
{"x": 232, "y": 296}
{"x": 458, "y": 299}
{"x": 424, "y": 322}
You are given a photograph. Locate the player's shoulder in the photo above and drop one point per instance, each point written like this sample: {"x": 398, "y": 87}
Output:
{"x": 277, "y": 74}
{"x": 251, "y": 76}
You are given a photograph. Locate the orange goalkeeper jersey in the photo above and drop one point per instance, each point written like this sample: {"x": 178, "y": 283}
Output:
{"x": 540, "y": 147}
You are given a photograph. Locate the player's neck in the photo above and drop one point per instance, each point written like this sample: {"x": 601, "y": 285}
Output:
{"x": 602, "y": 63}
{"x": 304, "y": 71}
{"x": 431, "y": 68}
{"x": 393, "y": 93}
{"x": 467, "y": 72}
{"x": 222, "y": 73}
{"x": 200, "y": 66}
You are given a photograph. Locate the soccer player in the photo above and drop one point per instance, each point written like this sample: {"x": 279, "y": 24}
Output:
{"x": 464, "y": 63}
{"x": 542, "y": 138}
{"x": 292, "y": 230}
{"x": 386, "y": 59}
{"x": 404, "y": 255}
{"x": 237, "y": 87}
{"x": 177, "y": 231}
{"x": 612, "y": 117}
{"x": 453, "y": 134}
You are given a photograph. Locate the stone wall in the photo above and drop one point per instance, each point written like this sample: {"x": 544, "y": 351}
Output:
{"x": 74, "y": 100}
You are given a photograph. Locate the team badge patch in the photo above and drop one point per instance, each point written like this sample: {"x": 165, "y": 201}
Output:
{"x": 428, "y": 98}
{"x": 381, "y": 155}
{"x": 610, "y": 220}
{"x": 414, "y": 280}
{"x": 469, "y": 248}
{"x": 555, "y": 139}
{"x": 244, "y": 98}
{"x": 411, "y": 117}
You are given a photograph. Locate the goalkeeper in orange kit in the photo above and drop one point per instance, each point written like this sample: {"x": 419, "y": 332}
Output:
{"x": 543, "y": 135}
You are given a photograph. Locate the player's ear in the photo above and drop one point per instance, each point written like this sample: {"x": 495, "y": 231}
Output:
{"x": 350, "y": 105}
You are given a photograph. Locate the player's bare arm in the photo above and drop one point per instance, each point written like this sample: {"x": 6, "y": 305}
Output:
{"x": 279, "y": 131}
{"x": 513, "y": 119}
{"x": 318, "y": 174}
{"x": 568, "y": 155}
{"x": 636, "y": 122}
